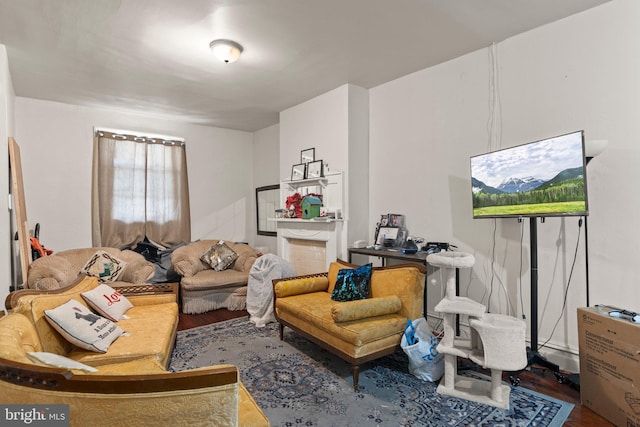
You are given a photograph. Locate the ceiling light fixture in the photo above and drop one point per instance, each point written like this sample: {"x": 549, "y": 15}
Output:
{"x": 227, "y": 51}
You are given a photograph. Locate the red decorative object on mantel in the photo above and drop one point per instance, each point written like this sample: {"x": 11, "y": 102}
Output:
{"x": 295, "y": 200}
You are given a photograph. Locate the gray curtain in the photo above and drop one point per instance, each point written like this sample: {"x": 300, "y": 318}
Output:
{"x": 140, "y": 188}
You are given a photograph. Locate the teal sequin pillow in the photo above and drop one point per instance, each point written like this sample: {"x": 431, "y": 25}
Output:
{"x": 352, "y": 284}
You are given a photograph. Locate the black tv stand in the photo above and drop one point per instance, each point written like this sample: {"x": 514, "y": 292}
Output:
{"x": 536, "y": 359}
{"x": 533, "y": 356}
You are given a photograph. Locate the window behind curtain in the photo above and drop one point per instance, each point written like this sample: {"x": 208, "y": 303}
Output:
{"x": 140, "y": 189}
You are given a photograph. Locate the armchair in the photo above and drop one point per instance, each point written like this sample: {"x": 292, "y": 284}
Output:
{"x": 204, "y": 289}
{"x": 63, "y": 268}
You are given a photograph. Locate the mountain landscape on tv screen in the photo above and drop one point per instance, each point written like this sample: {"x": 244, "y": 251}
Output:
{"x": 518, "y": 185}
{"x": 545, "y": 177}
{"x": 527, "y": 195}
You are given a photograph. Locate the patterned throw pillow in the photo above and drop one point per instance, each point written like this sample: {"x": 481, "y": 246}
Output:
{"x": 78, "y": 325}
{"x": 219, "y": 256}
{"x": 352, "y": 284}
{"x": 104, "y": 266}
{"x": 107, "y": 302}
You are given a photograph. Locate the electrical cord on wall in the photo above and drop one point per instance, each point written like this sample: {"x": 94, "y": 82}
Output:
{"x": 493, "y": 268}
{"x": 510, "y": 308}
{"x": 566, "y": 291}
{"x": 493, "y": 263}
{"x": 470, "y": 281}
{"x": 494, "y": 122}
{"x": 468, "y": 286}
{"x": 494, "y": 133}
{"x": 520, "y": 275}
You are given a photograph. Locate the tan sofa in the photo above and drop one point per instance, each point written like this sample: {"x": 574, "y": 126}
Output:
{"x": 356, "y": 331}
{"x": 62, "y": 268}
{"x": 204, "y": 289}
{"x": 132, "y": 386}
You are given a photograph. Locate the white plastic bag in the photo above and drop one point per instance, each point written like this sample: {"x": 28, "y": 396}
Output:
{"x": 424, "y": 361}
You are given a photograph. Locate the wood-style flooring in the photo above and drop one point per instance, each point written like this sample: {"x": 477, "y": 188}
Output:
{"x": 537, "y": 379}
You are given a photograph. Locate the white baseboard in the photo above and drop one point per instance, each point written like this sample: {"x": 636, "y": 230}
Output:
{"x": 564, "y": 358}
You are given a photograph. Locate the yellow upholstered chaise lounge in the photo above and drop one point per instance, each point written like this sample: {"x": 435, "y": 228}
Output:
{"x": 132, "y": 386}
{"x": 356, "y": 331}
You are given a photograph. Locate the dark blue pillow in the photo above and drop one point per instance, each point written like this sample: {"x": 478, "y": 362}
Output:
{"x": 352, "y": 284}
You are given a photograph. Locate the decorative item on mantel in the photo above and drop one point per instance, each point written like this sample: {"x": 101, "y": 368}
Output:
{"x": 314, "y": 170}
{"x": 298, "y": 172}
{"x": 308, "y": 155}
{"x": 311, "y": 206}
{"x": 294, "y": 203}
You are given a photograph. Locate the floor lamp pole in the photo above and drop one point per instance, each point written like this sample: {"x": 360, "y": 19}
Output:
{"x": 586, "y": 243}
{"x": 574, "y": 379}
{"x": 586, "y": 256}
{"x": 593, "y": 148}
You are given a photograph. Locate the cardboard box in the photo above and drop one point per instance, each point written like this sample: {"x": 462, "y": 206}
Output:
{"x": 610, "y": 365}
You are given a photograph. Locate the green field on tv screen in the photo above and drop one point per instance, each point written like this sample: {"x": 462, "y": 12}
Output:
{"x": 559, "y": 208}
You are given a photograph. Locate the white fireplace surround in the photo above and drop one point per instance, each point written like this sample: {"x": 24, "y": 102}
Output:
{"x": 328, "y": 232}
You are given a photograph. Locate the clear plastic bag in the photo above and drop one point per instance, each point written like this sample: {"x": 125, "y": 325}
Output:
{"x": 419, "y": 344}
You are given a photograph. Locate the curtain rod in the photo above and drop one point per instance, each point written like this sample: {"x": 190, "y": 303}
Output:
{"x": 138, "y": 137}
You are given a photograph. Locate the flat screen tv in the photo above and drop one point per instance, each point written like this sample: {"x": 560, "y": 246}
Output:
{"x": 542, "y": 178}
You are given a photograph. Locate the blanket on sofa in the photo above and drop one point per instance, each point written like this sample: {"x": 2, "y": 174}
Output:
{"x": 260, "y": 288}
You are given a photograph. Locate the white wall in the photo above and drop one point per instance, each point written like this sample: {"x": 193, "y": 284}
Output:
{"x": 56, "y": 146}
{"x": 336, "y": 125}
{"x": 357, "y": 193}
{"x": 321, "y": 123}
{"x": 7, "y": 129}
{"x": 266, "y": 170}
{"x": 577, "y": 73}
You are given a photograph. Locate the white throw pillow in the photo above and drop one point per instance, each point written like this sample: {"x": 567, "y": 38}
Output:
{"x": 78, "y": 325}
{"x": 57, "y": 361}
{"x": 104, "y": 266}
{"x": 108, "y": 302}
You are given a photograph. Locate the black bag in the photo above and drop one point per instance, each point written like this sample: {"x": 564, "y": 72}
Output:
{"x": 161, "y": 259}
{"x": 164, "y": 269}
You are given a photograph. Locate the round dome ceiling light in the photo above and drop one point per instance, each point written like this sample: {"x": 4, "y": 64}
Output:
{"x": 227, "y": 51}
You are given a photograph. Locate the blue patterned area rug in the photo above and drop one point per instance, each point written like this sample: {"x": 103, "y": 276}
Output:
{"x": 297, "y": 383}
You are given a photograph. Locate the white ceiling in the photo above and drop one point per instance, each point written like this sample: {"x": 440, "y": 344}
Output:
{"x": 153, "y": 56}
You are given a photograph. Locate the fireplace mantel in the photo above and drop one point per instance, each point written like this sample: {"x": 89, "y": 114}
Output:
{"x": 312, "y": 244}
{"x": 322, "y": 240}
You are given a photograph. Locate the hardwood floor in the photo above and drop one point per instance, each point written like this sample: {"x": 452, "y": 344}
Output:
{"x": 537, "y": 379}
{"x": 188, "y": 321}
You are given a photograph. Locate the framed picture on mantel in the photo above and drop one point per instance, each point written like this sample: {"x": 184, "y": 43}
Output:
{"x": 308, "y": 155}
{"x": 314, "y": 169}
{"x": 298, "y": 172}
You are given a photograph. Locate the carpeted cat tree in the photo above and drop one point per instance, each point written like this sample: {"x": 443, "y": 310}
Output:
{"x": 497, "y": 341}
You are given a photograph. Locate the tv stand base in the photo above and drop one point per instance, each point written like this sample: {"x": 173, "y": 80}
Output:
{"x": 535, "y": 358}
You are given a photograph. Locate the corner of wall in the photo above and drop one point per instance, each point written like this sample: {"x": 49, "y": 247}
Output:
{"x": 7, "y": 129}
